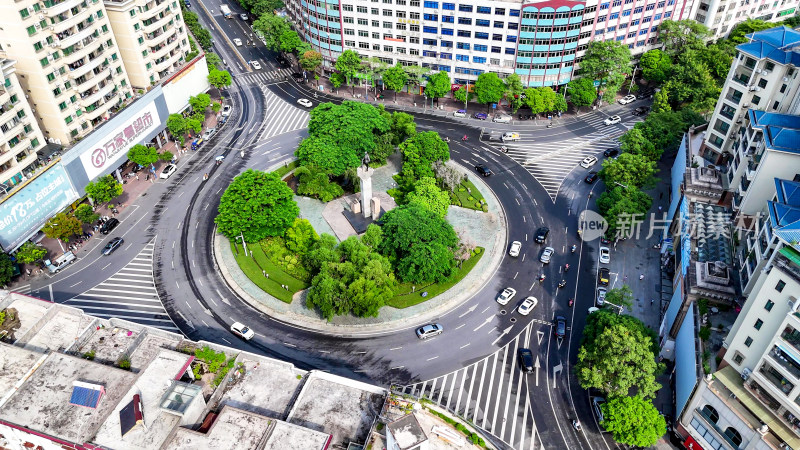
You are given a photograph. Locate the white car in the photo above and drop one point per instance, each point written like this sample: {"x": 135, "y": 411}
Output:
{"x": 256, "y": 65}
{"x": 515, "y": 248}
{"x": 502, "y": 118}
{"x": 304, "y": 102}
{"x": 506, "y": 295}
{"x": 460, "y": 113}
{"x": 242, "y": 331}
{"x": 627, "y": 99}
{"x": 168, "y": 171}
{"x": 209, "y": 132}
{"x": 589, "y": 161}
{"x": 547, "y": 254}
{"x": 613, "y": 120}
{"x": 243, "y": 16}
{"x": 605, "y": 255}
{"x": 593, "y": 310}
{"x": 601, "y": 296}
{"x": 238, "y": 42}
{"x": 226, "y": 110}
{"x": 527, "y": 305}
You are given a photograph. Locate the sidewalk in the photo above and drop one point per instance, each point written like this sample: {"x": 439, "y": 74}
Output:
{"x": 133, "y": 188}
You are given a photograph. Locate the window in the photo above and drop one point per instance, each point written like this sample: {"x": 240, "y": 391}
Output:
{"x": 464, "y": 21}
{"x": 447, "y": 31}
{"x": 511, "y": 38}
{"x": 762, "y": 83}
{"x": 133, "y": 12}
{"x": 734, "y": 436}
{"x": 387, "y": 25}
{"x": 637, "y": 10}
{"x": 361, "y": 9}
{"x": 448, "y": 44}
{"x": 613, "y": 16}
{"x": 510, "y": 50}
{"x": 434, "y": 5}
{"x": 759, "y": 323}
{"x": 779, "y": 287}
{"x": 711, "y": 413}
{"x": 499, "y": 24}
{"x": 464, "y": 58}
{"x": 738, "y": 358}
{"x": 513, "y": 12}
{"x": 448, "y": 19}
{"x": 31, "y": 30}
{"x": 604, "y": 5}
{"x": 446, "y": 55}
{"x": 481, "y": 22}
{"x": 432, "y": 30}
{"x": 481, "y": 48}
{"x": 44, "y": 62}
{"x": 497, "y": 37}
{"x": 449, "y": 6}
{"x": 465, "y": 8}
{"x": 462, "y": 45}
{"x": 434, "y": 17}
{"x": 769, "y": 66}
{"x": 626, "y": 13}
{"x": 480, "y": 35}
{"x": 497, "y": 50}
{"x": 484, "y": 10}
{"x": 768, "y": 306}
{"x": 748, "y": 342}
{"x": 479, "y": 59}
{"x": 776, "y": 104}
{"x": 464, "y": 33}
{"x": 601, "y": 19}
{"x": 38, "y": 46}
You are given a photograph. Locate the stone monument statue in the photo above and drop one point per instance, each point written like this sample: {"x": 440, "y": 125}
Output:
{"x": 365, "y": 174}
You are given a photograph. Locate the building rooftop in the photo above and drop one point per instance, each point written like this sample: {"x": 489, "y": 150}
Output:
{"x": 58, "y": 330}
{"x": 784, "y": 213}
{"x": 255, "y": 392}
{"x": 15, "y": 362}
{"x": 407, "y": 432}
{"x": 781, "y": 131}
{"x": 42, "y": 402}
{"x": 286, "y": 435}
{"x": 29, "y": 312}
{"x": 342, "y": 407}
{"x": 119, "y": 431}
{"x": 775, "y": 44}
{"x": 232, "y": 429}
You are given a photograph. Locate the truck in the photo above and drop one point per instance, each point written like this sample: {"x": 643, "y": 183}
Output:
{"x": 60, "y": 262}
{"x": 510, "y": 136}
{"x": 226, "y": 11}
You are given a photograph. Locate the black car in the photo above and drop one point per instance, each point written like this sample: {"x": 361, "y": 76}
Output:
{"x": 109, "y": 226}
{"x": 561, "y": 327}
{"x": 483, "y": 170}
{"x": 640, "y": 111}
{"x": 113, "y": 245}
{"x": 591, "y": 178}
{"x": 611, "y": 152}
{"x": 525, "y": 359}
{"x": 541, "y": 234}
{"x": 645, "y": 93}
{"x": 298, "y": 77}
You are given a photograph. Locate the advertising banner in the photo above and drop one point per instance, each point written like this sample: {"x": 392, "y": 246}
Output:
{"x": 28, "y": 209}
{"x": 112, "y": 150}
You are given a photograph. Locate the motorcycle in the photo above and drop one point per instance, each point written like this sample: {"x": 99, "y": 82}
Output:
{"x": 562, "y": 284}
{"x": 550, "y": 125}
{"x": 504, "y": 149}
{"x": 574, "y": 247}
{"x": 447, "y": 139}
{"x": 465, "y": 138}
{"x": 576, "y": 425}
{"x": 571, "y": 302}
{"x": 566, "y": 267}
{"x": 541, "y": 278}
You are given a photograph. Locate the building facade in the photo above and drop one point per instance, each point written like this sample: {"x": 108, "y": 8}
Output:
{"x": 68, "y": 62}
{"x": 20, "y": 134}
{"x": 152, "y": 38}
{"x": 540, "y": 41}
{"x": 720, "y": 16}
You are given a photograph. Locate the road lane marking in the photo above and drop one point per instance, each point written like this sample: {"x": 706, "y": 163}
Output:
{"x": 431, "y": 359}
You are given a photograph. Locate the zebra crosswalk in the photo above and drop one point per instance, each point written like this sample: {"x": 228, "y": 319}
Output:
{"x": 492, "y": 393}
{"x": 272, "y": 76}
{"x": 282, "y": 117}
{"x": 129, "y": 294}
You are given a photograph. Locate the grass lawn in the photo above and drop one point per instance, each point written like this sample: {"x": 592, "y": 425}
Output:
{"x": 254, "y": 266}
{"x": 464, "y": 192}
{"x": 406, "y": 298}
{"x": 286, "y": 169}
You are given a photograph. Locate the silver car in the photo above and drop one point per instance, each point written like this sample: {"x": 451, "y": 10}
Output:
{"x": 547, "y": 254}
{"x": 601, "y": 296}
{"x": 429, "y": 331}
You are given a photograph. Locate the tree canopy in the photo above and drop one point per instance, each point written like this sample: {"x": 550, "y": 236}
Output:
{"x": 219, "y": 78}
{"x": 62, "y": 226}
{"x": 104, "y": 189}
{"x": 514, "y": 90}
{"x": 143, "y": 155}
{"x": 489, "y": 88}
{"x": 261, "y": 7}
{"x": 546, "y": 100}
{"x": 395, "y": 78}
{"x": 6, "y": 268}
{"x": 608, "y": 62}
{"x": 681, "y": 35}
{"x": 428, "y": 195}
{"x": 30, "y": 252}
{"x": 419, "y": 243}
{"x": 420, "y": 151}
{"x": 86, "y": 214}
{"x": 256, "y": 205}
{"x": 628, "y": 170}
{"x": 582, "y": 92}
{"x": 310, "y": 60}
{"x": 438, "y": 85}
{"x": 633, "y": 421}
{"x": 271, "y": 28}
{"x": 656, "y": 65}
{"x": 348, "y": 63}
{"x": 200, "y": 102}
{"x": 176, "y": 125}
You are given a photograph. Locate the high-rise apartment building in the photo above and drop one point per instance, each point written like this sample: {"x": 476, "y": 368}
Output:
{"x": 152, "y": 38}
{"x": 542, "y": 42}
{"x": 20, "y": 136}
{"x": 720, "y": 16}
{"x": 68, "y": 63}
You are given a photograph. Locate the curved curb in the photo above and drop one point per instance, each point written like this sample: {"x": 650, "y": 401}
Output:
{"x": 423, "y": 312}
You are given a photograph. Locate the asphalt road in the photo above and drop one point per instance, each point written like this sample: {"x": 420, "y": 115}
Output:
{"x": 175, "y": 219}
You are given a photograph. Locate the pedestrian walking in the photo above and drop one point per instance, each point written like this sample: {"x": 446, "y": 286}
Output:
{"x": 137, "y": 177}
{"x": 641, "y": 277}
{"x": 652, "y": 300}
{"x": 660, "y": 208}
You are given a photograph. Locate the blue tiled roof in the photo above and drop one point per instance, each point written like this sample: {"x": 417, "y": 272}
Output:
{"x": 784, "y": 214}
{"x": 86, "y": 394}
{"x": 781, "y": 131}
{"x": 774, "y": 43}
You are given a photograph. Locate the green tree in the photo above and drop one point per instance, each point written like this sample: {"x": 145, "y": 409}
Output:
{"x": 681, "y": 35}
{"x": 325, "y": 155}
{"x": 742, "y": 29}
{"x": 301, "y": 236}
{"x": 260, "y": 7}
{"x": 200, "y": 102}
{"x": 85, "y": 213}
{"x": 582, "y": 92}
{"x": 348, "y": 64}
{"x": 143, "y": 155}
{"x": 617, "y": 361}
{"x": 633, "y": 421}
{"x": 6, "y": 269}
{"x": 419, "y": 243}
{"x": 28, "y": 253}
{"x": 395, "y": 78}
{"x": 635, "y": 143}
{"x": 373, "y": 236}
{"x": 104, "y": 189}
{"x": 438, "y": 85}
{"x": 718, "y": 61}
{"x": 628, "y": 170}
{"x": 489, "y": 88}
{"x": 336, "y": 80}
{"x": 656, "y": 65}
{"x": 165, "y": 156}
{"x": 350, "y": 126}
{"x": 623, "y": 206}
{"x": 402, "y": 126}
{"x": 213, "y": 61}
{"x": 420, "y": 151}
{"x": 535, "y": 100}
{"x": 315, "y": 182}
{"x": 271, "y": 28}
{"x": 428, "y": 195}
{"x": 599, "y": 321}
{"x": 416, "y": 74}
{"x": 661, "y": 101}
{"x": 461, "y": 94}
{"x": 290, "y": 41}
{"x": 621, "y": 296}
{"x": 219, "y": 78}
{"x": 310, "y": 61}
{"x": 176, "y": 125}
{"x": 256, "y": 205}
{"x": 513, "y": 93}
{"x": 62, "y": 226}
{"x": 195, "y": 125}
{"x": 607, "y": 62}
{"x": 691, "y": 80}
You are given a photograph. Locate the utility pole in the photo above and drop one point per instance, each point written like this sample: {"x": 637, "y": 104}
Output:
{"x": 632, "y": 78}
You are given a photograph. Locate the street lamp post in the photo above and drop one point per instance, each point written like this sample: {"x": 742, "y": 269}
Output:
{"x": 632, "y": 78}
{"x": 244, "y": 244}
{"x": 619, "y": 308}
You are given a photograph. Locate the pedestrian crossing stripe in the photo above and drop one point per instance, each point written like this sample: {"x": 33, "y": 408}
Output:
{"x": 266, "y": 77}
{"x": 282, "y": 117}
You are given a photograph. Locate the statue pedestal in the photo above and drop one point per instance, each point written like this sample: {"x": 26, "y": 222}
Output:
{"x": 365, "y": 174}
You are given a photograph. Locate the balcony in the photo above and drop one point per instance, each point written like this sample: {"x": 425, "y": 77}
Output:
{"x": 785, "y": 360}
{"x": 150, "y": 13}
{"x": 168, "y": 62}
{"x": 742, "y": 79}
{"x": 95, "y": 67}
{"x": 97, "y": 94}
{"x": 151, "y": 25}
{"x": 74, "y": 38}
{"x": 16, "y": 128}
{"x": 59, "y": 7}
{"x": 777, "y": 379}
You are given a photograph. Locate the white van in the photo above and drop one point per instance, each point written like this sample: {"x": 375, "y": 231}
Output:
{"x": 502, "y": 118}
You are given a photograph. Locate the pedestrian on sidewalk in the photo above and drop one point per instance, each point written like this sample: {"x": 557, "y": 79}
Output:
{"x": 652, "y": 300}
{"x": 137, "y": 177}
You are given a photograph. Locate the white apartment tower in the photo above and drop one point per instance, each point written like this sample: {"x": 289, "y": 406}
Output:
{"x": 68, "y": 63}
{"x": 20, "y": 136}
{"x": 720, "y": 16}
{"x": 152, "y": 38}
